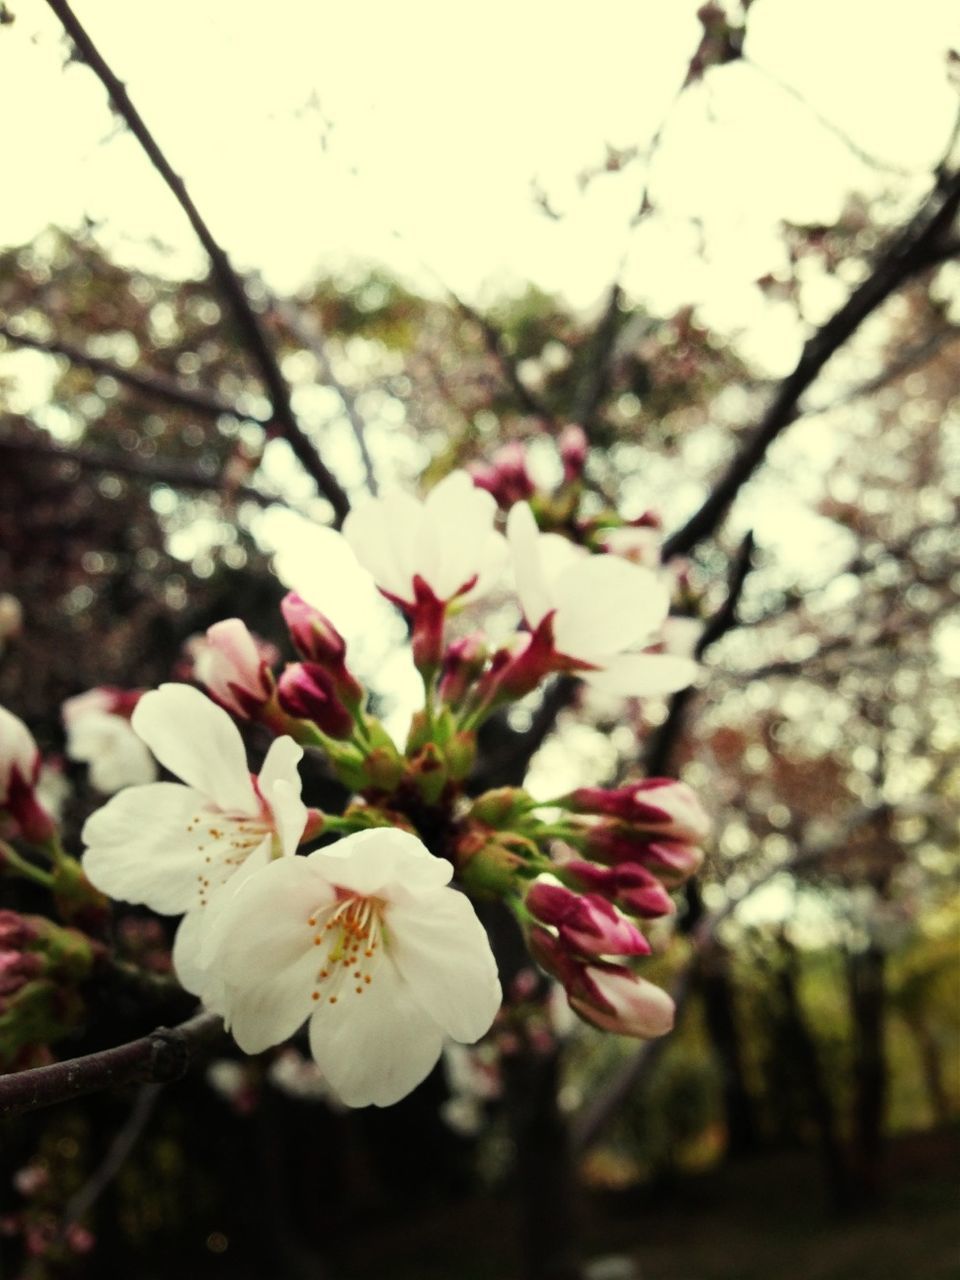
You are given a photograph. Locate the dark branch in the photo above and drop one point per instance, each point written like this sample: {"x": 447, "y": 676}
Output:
{"x": 229, "y": 281}
{"x": 155, "y": 385}
{"x": 661, "y": 744}
{"x": 596, "y": 380}
{"x": 494, "y": 342}
{"x": 911, "y": 251}
{"x": 158, "y": 1058}
{"x": 179, "y": 475}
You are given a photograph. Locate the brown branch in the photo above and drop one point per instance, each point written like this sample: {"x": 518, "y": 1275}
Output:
{"x": 122, "y": 1145}
{"x": 596, "y": 379}
{"x": 230, "y": 282}
{"x": 179, "y": 475}
{"x": 161, "y": 1057}
{"x": 494, "y": 342}
{"x": 911, "y": 251}
{"x": 156, "y": 385}
{"x": 661, "y": 744}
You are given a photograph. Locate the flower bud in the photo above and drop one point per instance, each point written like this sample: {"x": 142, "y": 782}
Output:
{"x": 231, "y": 666}
{"x": 307, "y": 690}
{"x": 506, "y": 477}
{"x": 573, "y": 446}
{"x": 616, "y": 843}
{"x": 613, "y": 998}
{"x": 317, "y": 639}
{"x": 426, "y": 628}
{"x": 463, "y": 661}
{"x": 631, "y": 886}
{"x": 584, "y": 922}
{"x": 670, "y": 809}
{"x": 19, "y": 771}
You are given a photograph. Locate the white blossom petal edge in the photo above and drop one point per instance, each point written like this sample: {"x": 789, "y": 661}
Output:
{"x": 367, "y": 940}
{"x": 173, "y": 847}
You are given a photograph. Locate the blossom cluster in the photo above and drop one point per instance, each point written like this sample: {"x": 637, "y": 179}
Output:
{"x": 351, "y": 923}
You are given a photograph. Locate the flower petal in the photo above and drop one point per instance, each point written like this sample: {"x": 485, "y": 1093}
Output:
{"x": 640, "y": 675}
{"x": 279, "y": 784}
{"x": 532, "y": 588}
{"x": 391, "y": 863}
{"x": 375, "y": 1048}
{"x": 606, "y": 605}
{"x": 140, "y": 848}
{"x": 195, "y": 739}
{"x": 441, "y": 951}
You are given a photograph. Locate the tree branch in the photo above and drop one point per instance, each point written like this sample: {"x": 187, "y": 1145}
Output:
{"x": 911, "y": 251}
{"x": 161, "y": 1057}
{"x": 155, "y": 385}
{"x": 493, "y": 340}
{"x": 179, "y": 475}
{"x": 228, "y": 279}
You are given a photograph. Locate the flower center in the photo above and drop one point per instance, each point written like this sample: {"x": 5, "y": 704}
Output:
{"x": 224, "y": 843}
{"x": 350, "y": 940}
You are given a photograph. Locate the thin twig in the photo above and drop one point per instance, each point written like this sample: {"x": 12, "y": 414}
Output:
{"x": 179, "y": 475}
{"x": 230, "y": 282}
{"x": 122, "y": 1145}
{"x": 496, "y": 346}
{"x": 155, "y": 385}
{"x": 160, "y": 1057}
{"x": 911, "y": 251}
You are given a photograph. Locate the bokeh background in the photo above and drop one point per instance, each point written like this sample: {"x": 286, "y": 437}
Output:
{"x": 460, "y": 230}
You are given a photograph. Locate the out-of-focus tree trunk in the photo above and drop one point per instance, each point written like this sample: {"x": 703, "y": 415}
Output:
{"x": 718, "y": 993}
{"x": 932, "y": 1065}
{"x": 865, "y": 974}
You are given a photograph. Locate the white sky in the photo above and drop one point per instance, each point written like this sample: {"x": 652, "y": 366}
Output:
{"x": 442, "y": 117}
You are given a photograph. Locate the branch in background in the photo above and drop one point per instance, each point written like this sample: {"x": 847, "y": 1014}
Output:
{"x": 661, "y": 745}
{"x": 493, "y": 340}
{"x": 246, "y": 318}
{"x": 506, "y": 765}
{"x": 596, "y": 379}
{"x": 307, "y": 330}
{"x": 156, "y": 385}
{"x": 122, "y": 1145}
{"x": 161, "y": 1057}
{"x": 913, "y": 358}
{"x": 179, "y": 475}
{"x": 911, "y": 251}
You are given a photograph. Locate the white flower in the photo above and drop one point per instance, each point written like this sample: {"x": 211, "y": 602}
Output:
{"x": 172, "y": 846}
{"x": 367, "y": 940}
{"x": 19, "y": 756}
{"x": 116, "y": 757}
{"x": 448, "y": 540}
{"x": 604, "y": 609}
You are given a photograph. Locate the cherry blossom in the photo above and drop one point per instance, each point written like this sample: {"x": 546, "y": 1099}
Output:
{"x": 173, "y": 846}
{"x": 602, "y": 610}
{"x": 447, "y": 541}
{"x": 99, "y": 733}
{"x": 367, "y": 940}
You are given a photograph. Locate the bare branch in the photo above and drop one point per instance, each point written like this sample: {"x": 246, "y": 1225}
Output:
{"x": 179, "y": 475}
{"x": 161, "y": 1057}
{"x": 122, "y": 1145}
{"x": 911, "y": 251}
{"x": 494, "y": 342}
{"x": 230, "y": 282}
{"x": 596, "y": 379}
{"x": 155, "y": 385}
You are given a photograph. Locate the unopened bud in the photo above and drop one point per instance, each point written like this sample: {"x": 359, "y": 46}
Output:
{"x": 463, "y": 661}
{"x": 586, "y": 923}
{"x": 317, "y": 639}
{"x": 668, "y": 808}
{"x": 231, "y": 666}
{"x": 631, "y": 886}
{"x": 573, "y": 452}
{"x": 307, "y": 690}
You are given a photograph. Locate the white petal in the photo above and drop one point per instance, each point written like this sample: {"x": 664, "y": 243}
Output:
{"x": 373, "y": 1049}
{"x": 454, "y": 538}
{"x": 441, "y": 951}
{"x": 640, "y": 675}
{"x": 279, "y": 784}
{"x": 606, "y": 605}
{"x": 116, "y": 756}
{"x": 195, "y": 739}
{"x": 523, "y": 537}
{"x": 383, "y": 862}
{"x": 383, "y": 534}
{"x": 140, "y": 849}
{"x": 187, "y": 944}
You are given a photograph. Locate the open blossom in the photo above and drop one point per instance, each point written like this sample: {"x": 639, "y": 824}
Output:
{"x": 234, "y": 667}
{"x": 602, "y": 610}
{"x": 367, "y": 940}
{"x": 20, "y": 764}
{"x": 173, "y": 846}
{"x": 99, "y": 733}
{"x": 447, "y": 541}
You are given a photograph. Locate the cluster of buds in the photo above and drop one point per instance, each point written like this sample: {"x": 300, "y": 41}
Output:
{"x": 41, "y": 967}
{"x": 613, "y": 857}
{"x": 507, "y": 475}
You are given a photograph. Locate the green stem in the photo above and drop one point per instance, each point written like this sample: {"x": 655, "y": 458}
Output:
{"x": 10, "y": 858}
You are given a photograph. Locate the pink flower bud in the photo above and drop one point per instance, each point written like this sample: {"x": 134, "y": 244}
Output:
{"x": 231, "y": 667}
{"x": 463, "y": 661}
{"x": 426, "y": 622}
{"x": 19, "y": 755}
{"x": 630, "y": 885}
{"x": 16, "y": 931}
{"x": 573, "y": 452}
{"x": 306, "y": 690}
{"x": 317, "y": 639}
{"x": 617, "y": 844}
{"x": 584, "y": 922}
{"x": 673, "y": 861}
{"x": 613, "y": 998}
{"x": 17, "y": 968}
{"x": 670, "y": 809}
{"x": 506, "y": 477}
